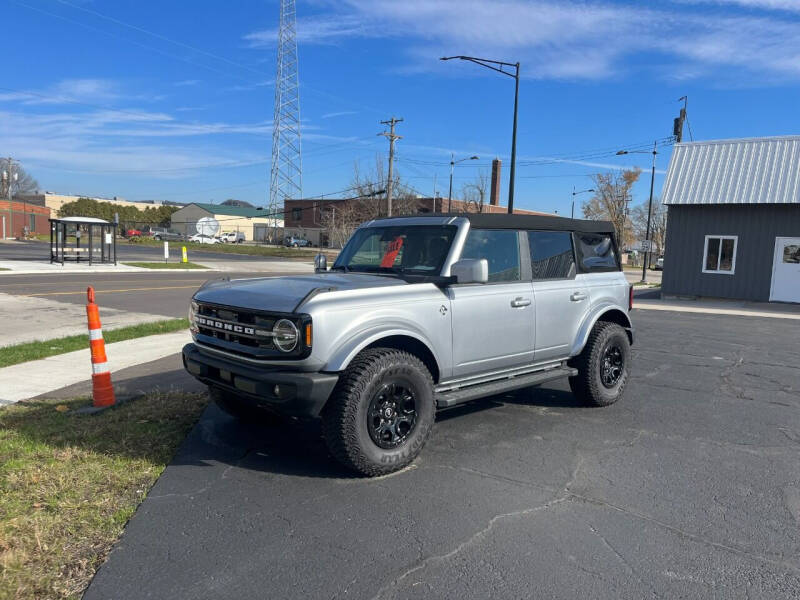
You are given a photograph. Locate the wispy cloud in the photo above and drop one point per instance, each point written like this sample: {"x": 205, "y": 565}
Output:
{"x": 315, "y": 30}
{"x": 781, "y": 5}
{"x": 187, "y": 82}
{"x": 576, "y": 39}
{"x": 250, "y": 86}
{"x": 341, "y": 113}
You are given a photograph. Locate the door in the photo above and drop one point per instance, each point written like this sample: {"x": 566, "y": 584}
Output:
{"x": 562, "y": 300}
{"x": 492, "y": 322}
{"x": 786, "y": 270}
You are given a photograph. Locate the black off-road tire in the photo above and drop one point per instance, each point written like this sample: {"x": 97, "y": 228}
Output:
{"x": 588, "y": 384}
{"x": 345, "y": 418}
{"x": 242, "y": 410}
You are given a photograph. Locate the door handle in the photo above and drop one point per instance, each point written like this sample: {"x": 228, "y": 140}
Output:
{"x": 578, "y": 296}
{"x": 520, "y": 302}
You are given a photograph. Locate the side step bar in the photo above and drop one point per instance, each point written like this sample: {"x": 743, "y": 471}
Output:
{"x": 455, "y": 397}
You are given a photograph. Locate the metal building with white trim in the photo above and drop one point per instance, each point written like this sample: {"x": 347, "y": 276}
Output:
{"x": 734, "y": 219}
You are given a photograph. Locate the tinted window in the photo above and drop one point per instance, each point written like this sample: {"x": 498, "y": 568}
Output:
{"x": 500, "y": 248}
{"x": 551, "y": 254}
{"x": 596, "y": 252}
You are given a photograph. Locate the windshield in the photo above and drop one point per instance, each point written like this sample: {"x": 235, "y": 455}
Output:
{"x": 419, "y": 250}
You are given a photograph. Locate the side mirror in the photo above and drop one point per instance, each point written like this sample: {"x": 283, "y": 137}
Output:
{"x": 320, "y": 263}
{"x": 470, "y": 270}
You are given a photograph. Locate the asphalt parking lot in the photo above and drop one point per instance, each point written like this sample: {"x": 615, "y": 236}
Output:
{"x": 689, "y": 487}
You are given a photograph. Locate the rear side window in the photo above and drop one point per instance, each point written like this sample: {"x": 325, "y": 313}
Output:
{"x": 499, "y": 247}
{"x": 551, "y": 254}
{"x": 596, "y": 252}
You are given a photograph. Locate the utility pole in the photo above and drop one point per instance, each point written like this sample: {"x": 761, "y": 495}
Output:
{"x": 392, "y": 138}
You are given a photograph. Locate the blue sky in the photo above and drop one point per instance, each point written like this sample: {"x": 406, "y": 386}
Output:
{"x": 174, "y": 100}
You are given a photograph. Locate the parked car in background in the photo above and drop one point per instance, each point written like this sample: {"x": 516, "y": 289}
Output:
{"x": 232, "y": 237}
{"x": 296, "y": 242}
{"x": 165, "y": 234}
{"x": 133, "y": 232}
{"x": 202, "y": 238}
{"x": 659, "y": 266}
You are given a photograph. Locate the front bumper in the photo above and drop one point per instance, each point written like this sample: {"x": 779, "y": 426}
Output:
{"x": 299, "y": 394}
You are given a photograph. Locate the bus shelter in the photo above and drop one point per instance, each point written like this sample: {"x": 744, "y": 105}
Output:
{"x": 83, "y": 239}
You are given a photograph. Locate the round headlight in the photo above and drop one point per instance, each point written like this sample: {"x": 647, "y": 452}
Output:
{"x": 285, "y": 335}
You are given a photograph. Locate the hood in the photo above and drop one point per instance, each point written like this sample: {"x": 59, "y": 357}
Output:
{"x": 282, "y": 294}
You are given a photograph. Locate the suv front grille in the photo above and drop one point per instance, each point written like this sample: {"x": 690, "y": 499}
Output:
{"x": 241, "y": 331}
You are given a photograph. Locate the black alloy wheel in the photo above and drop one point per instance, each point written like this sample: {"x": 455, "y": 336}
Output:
{"x": 392, "y": 414}
{"x": 612, "y": 365}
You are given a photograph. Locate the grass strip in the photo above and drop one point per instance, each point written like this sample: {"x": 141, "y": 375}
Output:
{"x": 4, "y": 269}
{"x": 163, "y": 265}
{"x": 19, "y": 353}
{"x": 69, "y": 483}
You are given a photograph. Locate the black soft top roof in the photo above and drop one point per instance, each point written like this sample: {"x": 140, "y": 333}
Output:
{"x": 517, "y": 221}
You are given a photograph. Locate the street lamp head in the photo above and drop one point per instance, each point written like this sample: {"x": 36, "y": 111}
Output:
{"x": 621, "y": 152}
{"x": 448, "y": 57}
{"x": 473, "y": 158}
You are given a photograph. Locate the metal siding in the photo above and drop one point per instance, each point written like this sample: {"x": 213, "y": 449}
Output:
{"x": 746, "y": 171}
{"x": 756, "y": 227}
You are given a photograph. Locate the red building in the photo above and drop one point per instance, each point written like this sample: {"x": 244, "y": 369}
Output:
{"x": 16, "y": 216}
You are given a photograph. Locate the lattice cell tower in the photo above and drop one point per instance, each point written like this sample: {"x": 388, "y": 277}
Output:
{"x": 286, "y": 174}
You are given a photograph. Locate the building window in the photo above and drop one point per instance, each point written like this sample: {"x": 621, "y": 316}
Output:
{"x": 720, "y": 254}
{"x": 297, "y": 214}
{"x": 32, "y": 222}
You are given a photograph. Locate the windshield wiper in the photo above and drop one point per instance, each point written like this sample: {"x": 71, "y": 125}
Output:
{"x": 342, "y": 268}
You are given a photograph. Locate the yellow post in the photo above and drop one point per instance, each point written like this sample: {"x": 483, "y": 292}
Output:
{"x": 185, "y": 255}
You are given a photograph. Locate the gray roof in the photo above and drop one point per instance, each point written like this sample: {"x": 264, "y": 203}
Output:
{"x": 744, "y": 171}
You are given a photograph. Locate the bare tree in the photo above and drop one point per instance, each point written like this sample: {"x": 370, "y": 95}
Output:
{"x": 21, "y": 185}
{"x": 610, "y": 202}
{"x": 474, "y": 193}
{"x": 658, "y": 223}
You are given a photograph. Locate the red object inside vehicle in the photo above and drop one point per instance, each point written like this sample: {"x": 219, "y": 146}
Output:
{"x": 391, "y": 252}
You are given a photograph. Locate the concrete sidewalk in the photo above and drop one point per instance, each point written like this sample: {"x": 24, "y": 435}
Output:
{"x": 37, "y": 377}
{"x": 770, "y": 310}
{"x": 48, "y": 319}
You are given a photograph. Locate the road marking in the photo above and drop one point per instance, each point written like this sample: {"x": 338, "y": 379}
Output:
{"x": 146, "y": 289}
{"x": 17, "y": 284}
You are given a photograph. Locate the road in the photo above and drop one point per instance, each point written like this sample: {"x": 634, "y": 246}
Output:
{"x": 159, "y": 292}
{"x": 689, "y": 487}
{"x": 39, "y": 251}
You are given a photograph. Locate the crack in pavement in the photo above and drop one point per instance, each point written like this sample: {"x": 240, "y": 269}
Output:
{"x": 390, "y": 589}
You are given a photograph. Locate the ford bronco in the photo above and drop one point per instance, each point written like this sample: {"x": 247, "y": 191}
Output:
{"x": 417, "y": 314}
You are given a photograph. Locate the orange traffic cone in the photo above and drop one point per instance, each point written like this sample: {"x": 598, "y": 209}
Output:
{"x": 102, "y": 389}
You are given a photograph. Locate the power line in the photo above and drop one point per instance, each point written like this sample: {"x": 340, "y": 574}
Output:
{"x": 145, "y": 46}
{"x": 161, "y": 37}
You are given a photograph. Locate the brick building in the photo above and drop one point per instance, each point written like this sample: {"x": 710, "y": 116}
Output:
{"x": 15, "y": 216}
{"x": 309, "y": 217}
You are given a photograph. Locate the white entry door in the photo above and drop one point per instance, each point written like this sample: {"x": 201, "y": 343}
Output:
{"x": 786, "y": 270}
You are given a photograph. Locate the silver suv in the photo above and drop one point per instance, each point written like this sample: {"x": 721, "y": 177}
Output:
{"x": 418, "y": 314}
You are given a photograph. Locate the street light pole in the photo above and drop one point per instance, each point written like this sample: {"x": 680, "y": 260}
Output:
{"x": 574, "y": 193}
{"x": 512, "y": 174}
{"x": 497, "y": 65}
{"x": 649, "y": 204}
{"x": 453, "y": 163}
{"x": 649, "y": 213}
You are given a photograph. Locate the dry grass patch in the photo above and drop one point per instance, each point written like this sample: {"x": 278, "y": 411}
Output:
{"x": 69, "y": 483}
